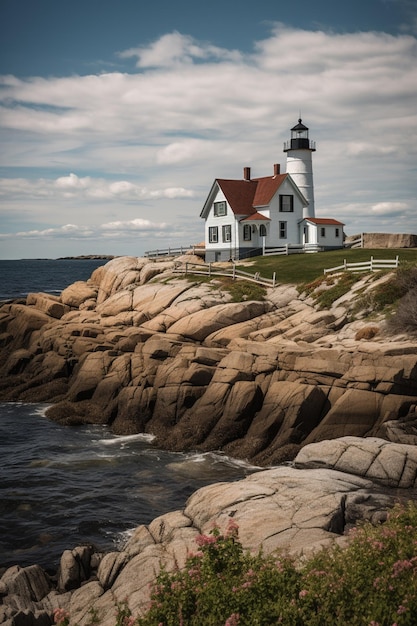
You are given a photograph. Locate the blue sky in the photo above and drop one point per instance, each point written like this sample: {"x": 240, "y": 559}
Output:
{"x": 115, "y": 117}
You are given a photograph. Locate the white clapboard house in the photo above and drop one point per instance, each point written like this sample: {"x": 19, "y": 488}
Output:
{"x": 246, "y": 217}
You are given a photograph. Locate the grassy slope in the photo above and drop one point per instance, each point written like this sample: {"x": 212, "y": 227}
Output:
{"x": 297, "y": 269}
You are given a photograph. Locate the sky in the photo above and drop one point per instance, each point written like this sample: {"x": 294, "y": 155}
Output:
{"x": 116, "y": 117}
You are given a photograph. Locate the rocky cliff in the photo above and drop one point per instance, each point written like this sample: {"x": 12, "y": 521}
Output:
{"x": 147, "y": 350}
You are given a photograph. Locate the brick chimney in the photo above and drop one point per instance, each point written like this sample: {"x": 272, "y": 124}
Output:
{"x": 277, "y": 169}
{"x": 246, "y": 173}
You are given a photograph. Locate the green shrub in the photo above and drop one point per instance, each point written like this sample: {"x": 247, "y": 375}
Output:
{"x": 371, "y": 582}
{"x": 222, "y": 584}
{"x": 404, "y": 318}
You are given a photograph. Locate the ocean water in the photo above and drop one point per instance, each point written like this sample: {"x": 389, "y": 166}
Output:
{"x": 18, "y": 278}
{"x": 65, "y": 486}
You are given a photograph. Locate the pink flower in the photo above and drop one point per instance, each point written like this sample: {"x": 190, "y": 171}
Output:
{"x": 232, "y": 528}
{"x": 303, "y": 593}
{"x": 61, "y": 617}
{"x": 400, "y": 566}
{"x": 205, "y": 540}
{"x": 233, "y": 620}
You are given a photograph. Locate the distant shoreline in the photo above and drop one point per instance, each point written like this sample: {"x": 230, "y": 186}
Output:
{"x": 87, "y": 257}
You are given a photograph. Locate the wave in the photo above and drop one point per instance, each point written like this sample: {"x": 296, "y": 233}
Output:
{"x": 147, "y": 438}
{"x": 209, "y": 464}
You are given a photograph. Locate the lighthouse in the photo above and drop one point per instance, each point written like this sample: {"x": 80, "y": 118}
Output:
{"x": 299, "y": 163}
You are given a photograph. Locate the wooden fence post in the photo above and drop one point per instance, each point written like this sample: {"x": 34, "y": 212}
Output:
{"x": 273, "y": 279}
{"x": 372, "y": 260}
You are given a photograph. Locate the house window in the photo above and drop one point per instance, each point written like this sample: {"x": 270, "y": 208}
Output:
{"x": 322, "y": 232}
{"x": 336, "y": 232}
{"x": 247, "y": 232}
{"x": 219, "y": 209}
{"x": 286, "y": 204}
{"x": 283, "y": 230}
{"x": 262, "y": 230}
{"x": 213, "y": 234}
{"x": 227, "y": 233}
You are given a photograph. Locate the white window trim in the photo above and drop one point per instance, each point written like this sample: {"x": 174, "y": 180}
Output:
{"x": 227, "y": 233}
{"x": 213, "y": 234}
{"x": 220, "y": 209}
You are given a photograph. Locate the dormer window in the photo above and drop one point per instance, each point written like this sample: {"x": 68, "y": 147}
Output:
{"x": 286, "y": 204}
{"x": 219, "y": 209}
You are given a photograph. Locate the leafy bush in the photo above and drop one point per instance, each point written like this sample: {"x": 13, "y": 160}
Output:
{"x": 221, "y": 584}
{"x": 405, "y": 317}
{"x": 371, "y": 582}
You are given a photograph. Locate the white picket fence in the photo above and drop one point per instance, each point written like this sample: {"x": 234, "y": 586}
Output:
{"x": 233, "y": 272}
{"x": 366, "y": 266}
{"x": 291, "y": 248}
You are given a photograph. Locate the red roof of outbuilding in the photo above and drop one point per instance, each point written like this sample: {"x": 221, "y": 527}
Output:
{"x": 324, "y": 220}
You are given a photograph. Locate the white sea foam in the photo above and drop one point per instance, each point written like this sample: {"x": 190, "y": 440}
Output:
{"x": 126, "y": 438}
{"x": 208, "y": 464}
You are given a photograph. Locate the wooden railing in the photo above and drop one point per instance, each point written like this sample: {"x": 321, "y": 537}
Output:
{"x": 155, "y": 254}
{"x": 366, "y": 266}
{"x": 233, "y": 272}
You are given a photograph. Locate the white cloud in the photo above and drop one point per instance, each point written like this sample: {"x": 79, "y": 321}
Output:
{"x": 391, "y": 208}
{"x": 73, "y": 186}
{"x": 117, "y": 147}
{"x": 175, "y": 49}
{"x": 137, "y": 224}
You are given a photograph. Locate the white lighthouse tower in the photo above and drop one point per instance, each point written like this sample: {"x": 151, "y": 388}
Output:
{"x": 299, "y": 163}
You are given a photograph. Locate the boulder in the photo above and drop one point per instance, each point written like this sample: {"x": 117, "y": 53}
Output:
{"x": 48, "y": 304}
{"x": 200, "y": 325}
{"x": 30, "y": 582}
{"x": 74, "y": 568}
{"x": 391, "y": 464}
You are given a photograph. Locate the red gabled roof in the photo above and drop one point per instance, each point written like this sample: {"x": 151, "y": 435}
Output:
{"x": 267, "y": 188}
{"x": 239, "y": 194}
{"x": 324, "y": 220}
{"x": 244, "y": 195}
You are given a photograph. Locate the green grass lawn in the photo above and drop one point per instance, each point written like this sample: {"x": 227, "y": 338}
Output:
{"x": 303, "y": 268}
